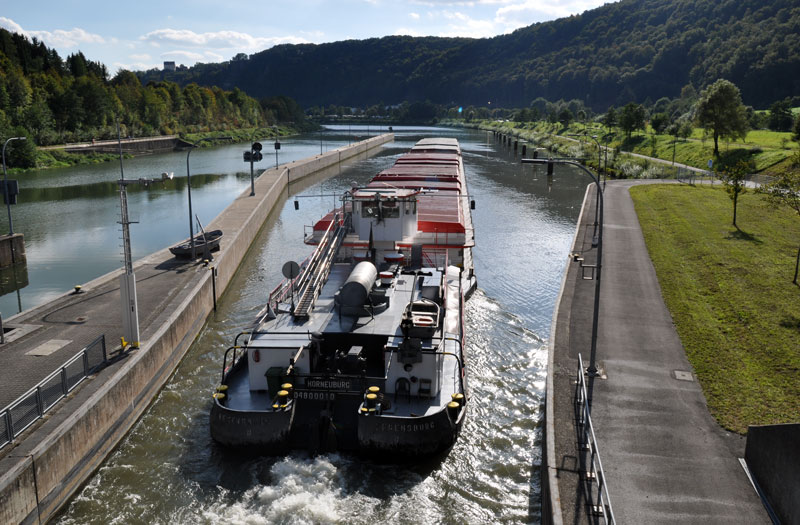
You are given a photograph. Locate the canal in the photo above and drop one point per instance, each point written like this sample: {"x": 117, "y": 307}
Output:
{"x": 168, "y": 470}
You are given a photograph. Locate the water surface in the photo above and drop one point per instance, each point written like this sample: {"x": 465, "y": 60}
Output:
{"x": 168, "y": 470}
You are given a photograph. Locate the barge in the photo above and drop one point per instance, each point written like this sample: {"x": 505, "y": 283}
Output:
{"x": 361, "y": 348}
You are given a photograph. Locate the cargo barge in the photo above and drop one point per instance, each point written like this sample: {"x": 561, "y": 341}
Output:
{"x": 361, "y": 348}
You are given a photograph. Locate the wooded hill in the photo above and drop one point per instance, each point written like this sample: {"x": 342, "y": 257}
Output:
{"x": 51, "y": 101}
{"x": 626, "y": 51}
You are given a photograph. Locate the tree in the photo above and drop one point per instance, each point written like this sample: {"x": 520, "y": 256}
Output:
{"x": 733, "y": 177}
{"x": 610, "y": 118}
{"x": 796, "y": 129}
{"x": 631, "y": 118}
{"x": 785, "y": 191}
{"x": 720, "y": 110}
{"x": 565, "y": 116}
{"x": 780, "y": 116}
{"x": 659, "y": 122}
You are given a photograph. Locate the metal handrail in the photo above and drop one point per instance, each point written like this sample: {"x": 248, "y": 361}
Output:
{"x": 36, "y": 395}
{"x": 588, "y": 440}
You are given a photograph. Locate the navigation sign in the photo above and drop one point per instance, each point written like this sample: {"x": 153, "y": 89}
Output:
{"x": 710, "y": 163}
{"x": 256, "y": 146}
{"x": 291, "y": 270}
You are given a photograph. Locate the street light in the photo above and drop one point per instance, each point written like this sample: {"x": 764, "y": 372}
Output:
{"x": 597, "y": 199}
{"x": 5, "y": 184}
{"x": 255, "y": 156}
{"x": 277, "y": 145}
{"x": 592, "y": 370}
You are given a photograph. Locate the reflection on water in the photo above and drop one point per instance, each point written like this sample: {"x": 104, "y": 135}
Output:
{"x": 13, "y": 279}
{"x": 70, "y": 216}
{"x": 101, "y": 190}
{"x": 168, "y": 470}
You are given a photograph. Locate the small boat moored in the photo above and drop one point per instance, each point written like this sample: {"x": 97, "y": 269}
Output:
{"x": 204, "y": 242}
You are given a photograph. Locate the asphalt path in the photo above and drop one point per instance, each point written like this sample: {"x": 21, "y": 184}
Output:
{"x": 666, "y": 460}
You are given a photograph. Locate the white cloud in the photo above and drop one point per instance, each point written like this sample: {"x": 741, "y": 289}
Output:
{"x": 58, "y": 38}
{"x": 415, "y": 16}
{"x": 217, "y": 40}
{"x": 524, "y": 13}
{"x": 10, "y": 25}
{"x": 462, "y": 25}
{"x": 404, "y": 31}
{"x": 135, "y": 66}
{"x": 142, "y": 57}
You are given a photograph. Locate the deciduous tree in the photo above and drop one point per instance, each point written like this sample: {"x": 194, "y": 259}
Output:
{"x": 785, "y": 191}
{"x": 733, "y": 177}
{"x": 631, "y": 118}
{"x": 721, "y": 112}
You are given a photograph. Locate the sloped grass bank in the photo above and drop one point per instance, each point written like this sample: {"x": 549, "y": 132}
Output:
{"x": 731, "y": 297}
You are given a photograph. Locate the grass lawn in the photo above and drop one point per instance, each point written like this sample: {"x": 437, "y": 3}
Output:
{"x": 768, "y": 150}
{"x": 731, "y": 296}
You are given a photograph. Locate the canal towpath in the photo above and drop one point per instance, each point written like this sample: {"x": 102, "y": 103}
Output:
{"x": 665, "y": 458}
{"x": 46, "y": 463}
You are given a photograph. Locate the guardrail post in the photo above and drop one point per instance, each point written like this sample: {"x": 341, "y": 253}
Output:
{"x": 39, "y": 402}
{"x": 9, "y": 426}
{"x": 64, "y": 381}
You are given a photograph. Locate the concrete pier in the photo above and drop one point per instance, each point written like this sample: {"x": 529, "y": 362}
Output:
{"x": 45, "y": 465}
{"x": 666, "y": 460}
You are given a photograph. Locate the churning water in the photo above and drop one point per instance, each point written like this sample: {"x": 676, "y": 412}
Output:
{"x": 168, "y": 470}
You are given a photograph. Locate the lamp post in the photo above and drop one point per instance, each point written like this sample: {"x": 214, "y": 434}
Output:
{"x": 277, "y": 145}
{"x": 252, "y": 151}
{"x": 5, "y": 184}
{"x": 597, "y": 199}
{"x": 592, "y": 370}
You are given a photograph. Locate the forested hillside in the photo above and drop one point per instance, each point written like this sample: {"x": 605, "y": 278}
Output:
{"x": 626, "y": 51}
{"x": 51, "y": 100}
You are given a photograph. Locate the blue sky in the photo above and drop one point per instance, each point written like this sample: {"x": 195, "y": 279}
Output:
{"x": 145, "y": 33}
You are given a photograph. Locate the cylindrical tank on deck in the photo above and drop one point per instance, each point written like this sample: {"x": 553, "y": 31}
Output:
{"x": 356, "y": 288}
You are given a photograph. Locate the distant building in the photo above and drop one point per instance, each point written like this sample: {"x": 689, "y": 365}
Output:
{"x": 169, "y": 66}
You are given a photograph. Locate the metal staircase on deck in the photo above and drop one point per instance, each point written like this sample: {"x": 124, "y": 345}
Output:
{"x": 319, "y": 267}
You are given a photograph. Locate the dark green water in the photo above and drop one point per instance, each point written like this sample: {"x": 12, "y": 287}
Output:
{"x": 168, "y": 470}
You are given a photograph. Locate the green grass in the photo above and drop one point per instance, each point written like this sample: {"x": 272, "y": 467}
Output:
{"x": 731, "y": 297}
{"x": 766, "y": 149}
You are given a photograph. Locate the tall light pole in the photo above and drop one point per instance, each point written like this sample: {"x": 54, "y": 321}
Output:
{"x": 5, "y": 184}
{"x": 255, "y": 151}
{"x": 277, "y": 145}
{"x": 597, "y": 199}
{"x": 592, "y": 370}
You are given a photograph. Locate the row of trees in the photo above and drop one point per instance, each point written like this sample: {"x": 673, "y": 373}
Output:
{"x": 53, "y": 101}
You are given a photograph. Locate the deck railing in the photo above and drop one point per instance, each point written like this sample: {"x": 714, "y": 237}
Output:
{"x": 32, "y": 405}
{"x": 592, "y": 467}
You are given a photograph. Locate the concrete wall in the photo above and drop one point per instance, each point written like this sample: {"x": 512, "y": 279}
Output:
{"x": 773, "y": 458}
{"x": 149, "y": 145}
{"x": 12, "y": 249}
{"x": 52, "y": 462}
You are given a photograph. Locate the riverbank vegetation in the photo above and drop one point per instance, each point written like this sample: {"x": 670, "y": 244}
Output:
{"x": 731, "y": 296}
{"x": 766, "y": 151}
{"x": 54, "y": 101}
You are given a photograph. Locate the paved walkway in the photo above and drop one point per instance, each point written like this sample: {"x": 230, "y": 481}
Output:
{"x": 666, "y": 459}
{"x": 71, "y": 322}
